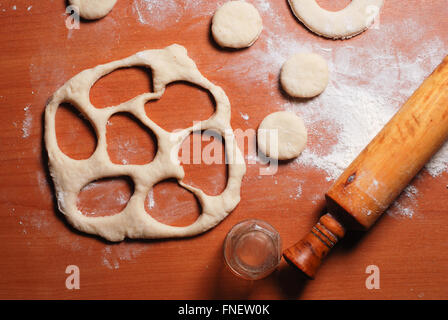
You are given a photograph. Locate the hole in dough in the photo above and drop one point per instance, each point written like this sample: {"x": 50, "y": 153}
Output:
{"x": 203, "y": 157}
{"x": 105, "y": 197}
{"x": 333, "y": 5}
{"x": 171, "y": 204}
{"x": 181, "y": 104}
{"x": 75, "y": 135}
{"x": 129, "y": 141}
{"x": 111, "y": 90}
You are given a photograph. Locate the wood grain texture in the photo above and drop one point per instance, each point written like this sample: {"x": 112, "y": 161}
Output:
{"x": 38, "y": 54}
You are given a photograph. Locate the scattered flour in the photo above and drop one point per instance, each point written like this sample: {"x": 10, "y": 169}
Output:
{"x": 157, "y": 13}
{"x": 27, "y": 122}
{"x": 122, "y": 198}
{"x": 299, "y": 192}
{"x": 37, "y": 219}
{"x": 127, "y": 148}
{"x": 108, "y": 261}
{"x": 406, "y": 205}
{"x": 91, "y": 185}
{"x": 439, "y": 162}
{"x": 105, "y": 200}
{"x": 151, "y": 202}
{"x": 116, "y": 253}
{"x": 411, "y": 190}
{"x": 265, "y": 9}
{"x": 42, "y": 183}
{"x": 161, "y": 14}
{"x": 245, "y": 116}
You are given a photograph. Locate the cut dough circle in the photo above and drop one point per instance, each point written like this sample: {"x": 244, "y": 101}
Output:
{"x": 70, "y": 176}
{"x": 282, "y": 135}
{"x": 304, "y": 75}
{"x": 236, "y": 24}
{"x": 93, "y": 9}
{"x": 346, "y": 23}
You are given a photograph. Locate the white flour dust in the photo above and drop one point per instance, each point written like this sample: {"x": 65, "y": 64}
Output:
{"x": 298, "y": 192}
{"x": 161, "y": 14}
{"x": 268, "y": 13}
{"x": 42, "y": 183}
{"x": 177, "y": 209}
{"x": 105, "y": 200}
{"x": 151, "y": 201}
{"x": 245, "y": 116}
{"x": 157, "y": 13}
{"x": 27, "y": 122}
{"x": 114, "y": 254}
{"x": 406, "y": 205}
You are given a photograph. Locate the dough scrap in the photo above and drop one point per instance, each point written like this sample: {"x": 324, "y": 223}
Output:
{"x": 70, "y": 176}
{"x": 344, "y": 24}
{"x": 290, "y": 131}
{"x": 236, "y": 24}
{"x": 304, "y": 75}
{"x": 93, "y": 9}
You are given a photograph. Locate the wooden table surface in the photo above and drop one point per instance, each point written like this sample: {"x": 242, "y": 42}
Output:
{"x": 39, "y": 53}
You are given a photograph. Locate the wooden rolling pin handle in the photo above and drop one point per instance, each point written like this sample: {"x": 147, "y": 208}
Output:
{"x": 308, "y": 253}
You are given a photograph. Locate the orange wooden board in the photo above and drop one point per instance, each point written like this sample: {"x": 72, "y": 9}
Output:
{"x": 39, "y": 53}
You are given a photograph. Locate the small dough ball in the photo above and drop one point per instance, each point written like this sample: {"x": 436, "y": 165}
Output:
{"x": 237, "y": 24}
{"x": 304, "y": 75}
{"x": 93, "y": 9}
{"x": 291, "y": 135}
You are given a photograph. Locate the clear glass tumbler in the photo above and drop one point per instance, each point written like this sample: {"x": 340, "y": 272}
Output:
{"x": 252, "y": 249}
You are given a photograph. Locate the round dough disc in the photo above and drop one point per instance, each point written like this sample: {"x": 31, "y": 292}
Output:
{"x": 93, "y": 9}
{"x": 304, "y": 75}
{"x": 237, "y": 24}
{"x": 291, "y": 135}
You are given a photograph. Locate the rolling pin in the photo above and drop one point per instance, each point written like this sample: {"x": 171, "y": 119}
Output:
{"x": 380, "y": 172}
